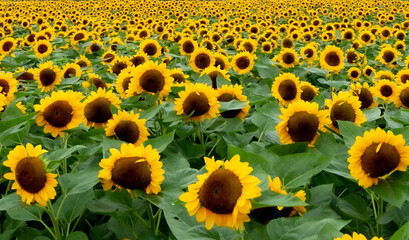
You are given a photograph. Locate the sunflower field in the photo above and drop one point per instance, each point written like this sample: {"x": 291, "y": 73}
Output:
{"x": 235, "y": 119}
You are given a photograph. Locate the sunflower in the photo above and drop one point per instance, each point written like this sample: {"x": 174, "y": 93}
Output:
{"x": 134, "y": 167}
{"x": 119, "y": 64}
{"x": 402, "y": 96}
{"x": 213, "y": 72}
{"x": 78, "y": 36}
{"x": 243, "y": 62}
{"x": 309, "y": 53}
{"x": 179, "y": 78}
{"x": 222, "y": 195}
{"x": 365, "y": 37}
{"x": 356, "y": 236}
{"x": 138, "y": 59}
{"x": 7, "y": 45}
{"x": 61, "y": 111}
{"x": 71, "y": 70}
{"x": 197, "y": 100}
{"x": 229, "y": 92}
{"x": 400, "y": 45}
{"x": 354, "y": 73}
{"x": 97, "y": 81}
{"x": 301, "y": 122}
{"x": 108, "y": 57}
{"x": 376, "y": 155}
{"x": 47, "y": 76}
{"x": 221, "y": 61}
{"x": 288, "y": 57}
{"x": 308, "y": 91}
{"x": 387, "y": 56}
{"x": 97, "y": 107}
{"x": 122, "y": 83}
{"x": 286, "y": 88}
{"x": 348, "y": 34}
{"x": 402, "y": 76}
{"x": 152, "y": 78}
{"x": 42, "y": 49}
{"x": 384, "y": 75}
{"x": 150, "y": 47}
{"x": 31, "y": 180}
{"x": 332, "y": 59}
{"x": 187, "y": 46}
{"x": 127, "y": 127}
{"x": 345, "y": 107}
{"x": 368, "y": 70}
{"x": 201, "y": 59}
{"x": 365, "y": 95}
{"x": 95, "y": 46}
{"x": 386, "y": 90}
{"x": 249, "y": 45}
{"x": 8, "y": 85}
{"x": 287, "y": 43}
{"x": 83, "y": 62}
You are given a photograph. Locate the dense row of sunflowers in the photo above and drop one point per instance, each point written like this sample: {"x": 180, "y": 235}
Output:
{"x": 193, "y": 119}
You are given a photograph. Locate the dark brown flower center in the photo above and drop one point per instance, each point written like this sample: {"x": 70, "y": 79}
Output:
{"x": 266, "y": 214}
{"x": 202, "y": 60}
{"x": 404, "y": 78}
{"x": 79, "y": 36}
{"x": 58, "y": 113}
{"x": 220, "y": 191}
{"x": 243, "y": 62}
{"x": 365, "y": 97}
{"x": 95, "y": 47}
{"x": 152, "y": 81}
{"x": 287, "y": 43}
{"x": 288, "y": 58}
{"x": 118, "y": 67}
{"x": 386, "y": 90}
{"x": 130, "y": 174}
{"x": 266, "y": 47}
{"x": 348, "y": 35}
{"x": 219, "y": 62}
{"x": 368, "y": 72}
{"x": 248, "y": 47}
{"x": 125, "y": 83}
{"x": 400, "y": 36}
{"x": 332, "y": 59}
{"x": 99, "y": 83}
{"x": 354, "y": 74}
{"x": 303, "y": 126}
{"x": 309, "y": 52}
{"x": 386, "y": 33}
{"x": 108, "y": 58}
{"x": 226, "y": 97}
{"x": 47, "y": 77}
{"x": 98, "y": 111}
{"x": 177, "y": 77}
{"x": 379, "y": 161}
{"x": 30, "y": 174}
{"x": 307, "y": 93}
{"x": 150, "y": 49}
{"x": 25, "y": 76}
{"x": 197, "y": 102}
{"x": 342, "y": 110}
{"x": 365, "y": 37}
{"x": 137, "y": 60}
{"x": 5, "y": 87}
{"x": 82, "y": 63}
{"x": 7, "y": 46}
{"x": 388, "y": 56}
{"x": 287, "y": 90}
{"x": 404, "y": 97}
{"x": 188, "y": 47}
{"x": 70, "y": 72}
{"x": 42, "y": 48}
{"x": 127, "y": 131}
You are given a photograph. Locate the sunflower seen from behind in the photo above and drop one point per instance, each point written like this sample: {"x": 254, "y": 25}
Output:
{"x": 222, "y": 195}
{"x": 301, "y": 122}
{"x": 229, "y": 92}
{"x": 97, "y": 107}
{"x": 48, "y": 76}
{"x": 31, "y": 180}
{"x": 127, "y": 127}
{"x": 376, "y": 155}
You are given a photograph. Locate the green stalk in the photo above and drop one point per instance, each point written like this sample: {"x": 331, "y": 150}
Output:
{"x": 54, "y": 221}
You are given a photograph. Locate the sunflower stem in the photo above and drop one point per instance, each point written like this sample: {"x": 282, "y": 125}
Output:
{"x": 151, "y": 218}
{"x": 375, "y": 212}
{"x": 54, "y": 221}
{"x": 240, "y": 232}
{"x": 159, "y": 216}
{"x": 64, "y": 144}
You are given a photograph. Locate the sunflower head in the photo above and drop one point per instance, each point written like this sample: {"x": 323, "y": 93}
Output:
{"x": 332, "y": 59}
{"x": 365, "y": 95}
{"x": 97, "y": 107}
{"x": 402, "y": 96}
{"x": 8, "y": 85}
{"x": 187, "y": 46}
{"x": 71, "y": 70}
{"x": 308, "y": 91}
{"x": 288, "y": 57}
{"x": 385, "y": 90}
{"x": 201, "y": 59}
{"x": 286, "y": 88}
{"x": 150, "y": 47}
{"x": 213, "y": 72}
{"x": 42, "y": 49}
{"x": 243, "y": 62}
{"x": 229, "y": 92}
{"x": 354, "y": 73}
{"x": 179, "y": 78}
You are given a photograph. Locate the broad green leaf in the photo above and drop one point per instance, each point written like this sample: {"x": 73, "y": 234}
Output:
{"x": 269, "y": 198}
{"x": 10, "y": 201}
{"x": 60, "y": 154}
{"x": 80, "y": 181}
{"x": 28, "y": 213}
{"x": 73, "y": 205}
{"x": 161, "y": 142}
{"x": 355, "y": 206}
{"x": 232, "y": 105}
{"x": 402, "y": 233}
{"x": 372, "y": 114}
{"x": 350, "y": 131}
{"x": 77, "y": 236}
{"x": 267, "y": 71}
{"x": 393, "y": 189}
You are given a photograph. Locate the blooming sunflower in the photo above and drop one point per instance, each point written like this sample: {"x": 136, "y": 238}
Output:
{"x": 150, "y": 47}
{"x": 197, "y": 100}
{"x": 213, "y": 72}
{"x": 301, "y": 122}
{"x": 47, "y": 76}
{"x": 187, "y": 46}
{"x": 31, "y": 180}
{"x": 61, "y": 111}
{"x": 402, "y": 96}
{"x": 345, "y": 107}
{"x": 83, "y": 61}
{"x": 134, "y": 167}
{"x": 122, "y": 83}
{"x": 108, "y": 57}
{"x": 97, "y": 81}
{"x": 286, "y": 88}
{"x": 221, "y": 61}
{"x": 222, "y": 195}
{"x": 384, "y": 75}
{"x": 127, "y": 127}
{"x": 97, "y": 107}
{"x": 42, "y": 48}
{"x": 309, "y": 53}
{"x": 356, "y": 236}
{"x": 152, "y": 78}
{"x": 138, "y": 59}
{"x": 179, "y": 78}
{"x": 387, "y": 56}
{"x": 368, "y": 70}
{"x": 229, "y": 92}
{"x": 8, "y": 85}
{"x": 7, "y": 45}
{"x": 249, "y": 45}
{"x": 288, "y": 57}
{"x": 365, "y": 95}
{"x": 243, "y": 62}
{"x": 308, "y": 91}
{"x": 201, "y": 59}
{"x": 386, "y": 90}
{"x": 376, "y": 155}
{"x": 71, "y": 70}
{"x": 119, "y": 64}
{"x": 354, "y": 73}
{"x": 402, "y": 76}
{"x": 332, "y": 59}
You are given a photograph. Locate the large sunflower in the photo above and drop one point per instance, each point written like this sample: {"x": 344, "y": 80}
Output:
{"x": 365, "y": 95}
{"x": 201, "y": 59}
{"x": 31, "y": 180}
{"x": 243, "y": 62}
{"x": 47, "y": 76}
{"x": 152, "y": 78}
{"x": 127, "y": 127}
{"x": 345, "y": 107}
{"x": 286, "y": 88}
{"x": 61, "y": 111}
{"x": 332, "y": 59}
{"x": 386, "y": 90}
{"x": 42, "y": 48}
{"x": 222, "y": 195}
{"x": 301, "y": 122}
{"x": 150, "y": 47}
{"x": 288, "y": 57}
{"x": 376, "y": 155}
{"x": 97, "y": 107}
{"x": 199, "y": 101}
{"x": 8, "y": 85}
{"x": 134, "y": 167}
{"x": 229, "y": 92}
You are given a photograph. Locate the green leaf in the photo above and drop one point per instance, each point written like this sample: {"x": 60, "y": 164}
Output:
{"x": 79, "y": 182}
{"x": 151, "y": 112}
{"x": 28, "y": 213}
{"x": 356, "y": 207}
{"x": 73, "y": 205}
{"x": 372, "y": 114}
{"x": 60, "y": 154}
{"x": 232, "y": 105}
{"x": 350, "y": 131}
{"x": 317, "y": 71}
{"x": 77, "y": 236}
{"x": 267, "y": 71}
{"x": 161, "y": 142}
{"x": 393, "y": 189}
{"x": 295, "y": 170}
{"x": 10, "y": 201}
{"x": 252, "y": 158}
{"x": 269, "y": 198}
{"x": 402, "y": 233}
